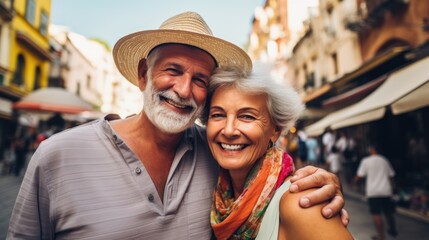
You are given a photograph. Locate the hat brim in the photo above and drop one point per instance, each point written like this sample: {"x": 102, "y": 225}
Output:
{"x": 128, "y": 51}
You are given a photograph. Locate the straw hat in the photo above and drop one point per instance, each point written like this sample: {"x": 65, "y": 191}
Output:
{"x": 186, "y": 28}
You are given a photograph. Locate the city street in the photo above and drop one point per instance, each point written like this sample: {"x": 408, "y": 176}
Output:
{"x": 361, "y": 224}
{"x": 362, "y": 227}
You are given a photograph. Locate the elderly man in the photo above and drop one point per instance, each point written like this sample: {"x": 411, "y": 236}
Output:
{"x": 151, "y": 175}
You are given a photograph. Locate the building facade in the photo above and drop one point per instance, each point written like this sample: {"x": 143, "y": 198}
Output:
{"x": 362, "y": 66}
{"x": 372, "y": 102}
{"x": 24, "y": 55}
{"x": 6, "y": 96}
{"x": 29, "y": 56}
{"x": 86, "y": 68}
{"x": 326, "y": 51}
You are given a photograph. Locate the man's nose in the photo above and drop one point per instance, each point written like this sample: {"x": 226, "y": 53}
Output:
{"x": 183, "y": 87}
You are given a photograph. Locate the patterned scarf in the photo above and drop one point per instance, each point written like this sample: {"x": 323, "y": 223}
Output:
{"x": 240, "y": 218}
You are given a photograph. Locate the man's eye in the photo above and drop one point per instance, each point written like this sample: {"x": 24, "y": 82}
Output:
{"x": 172, "y": 71}
{"x": 200, "y": 82}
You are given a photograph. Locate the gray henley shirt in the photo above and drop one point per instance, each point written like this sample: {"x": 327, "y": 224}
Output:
{"x": 85, "y": 183}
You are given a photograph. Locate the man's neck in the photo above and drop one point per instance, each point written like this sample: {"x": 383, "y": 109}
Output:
{"x": 155, "y": 149}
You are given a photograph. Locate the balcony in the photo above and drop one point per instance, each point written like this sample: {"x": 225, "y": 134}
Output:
{"x": 6, "y": 10}
{"x": 373, "y": 13}
{"x": 376, "y": 6}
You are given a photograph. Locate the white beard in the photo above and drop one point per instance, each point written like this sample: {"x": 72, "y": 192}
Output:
{"x": 163, "y": 118}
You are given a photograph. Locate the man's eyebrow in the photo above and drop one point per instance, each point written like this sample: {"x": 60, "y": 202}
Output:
{"x": 174, "y": 65}
{"x": 201, "y": 75}
{"x": 180, "y": 67}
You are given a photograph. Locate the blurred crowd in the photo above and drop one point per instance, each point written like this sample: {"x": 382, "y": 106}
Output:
{"x": 20, "y": 147}
{"x": 340, "y": 153}
{"x": 334, "y": 151}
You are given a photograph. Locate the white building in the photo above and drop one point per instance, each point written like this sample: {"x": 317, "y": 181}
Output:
{"x": 87, "y": 69}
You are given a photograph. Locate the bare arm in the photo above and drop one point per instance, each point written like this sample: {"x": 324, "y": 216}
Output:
{"x": 328, "y": 189}
{"x": 307, "y": 223}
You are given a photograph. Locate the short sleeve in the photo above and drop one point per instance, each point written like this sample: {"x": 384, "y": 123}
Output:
{"x": 361, "y": 172}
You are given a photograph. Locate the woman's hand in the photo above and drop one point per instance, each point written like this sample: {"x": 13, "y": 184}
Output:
{"x": 329, "y": 190}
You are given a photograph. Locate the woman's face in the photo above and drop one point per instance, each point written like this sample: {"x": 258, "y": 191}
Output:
{"x": 239, "y": 128}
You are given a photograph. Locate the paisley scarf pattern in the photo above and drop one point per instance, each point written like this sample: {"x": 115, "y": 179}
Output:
{"x": 240, "y": 218}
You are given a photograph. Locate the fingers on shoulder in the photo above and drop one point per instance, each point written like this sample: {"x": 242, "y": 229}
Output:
{"x": 296, "y": 220}
{"x": 291, "y": 211}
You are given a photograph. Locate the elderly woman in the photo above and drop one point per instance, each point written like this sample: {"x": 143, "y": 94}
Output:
{"x": 244, "y": 118}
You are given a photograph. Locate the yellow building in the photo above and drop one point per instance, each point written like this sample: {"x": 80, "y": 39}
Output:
{"x": 29, "y": 49}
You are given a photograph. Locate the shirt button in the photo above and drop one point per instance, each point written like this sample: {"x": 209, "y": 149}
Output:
{"x": 138, "y": 170}
{"x": 150, "y": 197}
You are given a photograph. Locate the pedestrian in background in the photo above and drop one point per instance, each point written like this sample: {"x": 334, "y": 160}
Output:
{"x": 378, "y": 190}
{"x": 328, "y": 141}
{"x": 334, "y": 161}
{"x": 346, "y": 146}
{"x": 313, "y": 151}
{"x": 9, "y": 156}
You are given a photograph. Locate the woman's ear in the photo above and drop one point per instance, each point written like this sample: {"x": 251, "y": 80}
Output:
{"x": 142, "y": 71}
{"x": 276, "y": 134}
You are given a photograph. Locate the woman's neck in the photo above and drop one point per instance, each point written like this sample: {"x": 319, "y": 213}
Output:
{"x": 238, "y": 185}
{"x": 239, "y": 178}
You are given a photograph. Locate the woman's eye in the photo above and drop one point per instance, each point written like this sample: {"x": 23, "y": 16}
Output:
{"x": 216, "y": 115}
{"x": 247, "y": 117}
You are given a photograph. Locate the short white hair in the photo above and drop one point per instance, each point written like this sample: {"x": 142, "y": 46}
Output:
{"x": 283, "y": 102}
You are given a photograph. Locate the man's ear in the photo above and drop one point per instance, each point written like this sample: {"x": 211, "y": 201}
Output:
{"x": 142, "y": 71}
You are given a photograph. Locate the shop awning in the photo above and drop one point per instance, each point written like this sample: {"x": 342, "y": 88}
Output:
{"x": 53, "y": 99}
{"x": 401, "y": 88}
{"x": 364, "y": 89}
{"x": 391, "y": 56}
{"x": 360, "y": 118}
{"x": 417, "y": 99}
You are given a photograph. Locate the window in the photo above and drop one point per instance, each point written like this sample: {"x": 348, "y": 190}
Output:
{"x": 309, "y": 81}
{"x": 43, "y": 23}
{"x": 37, "y": 78}
{"x": 30, "y": 11}
{"x": 78, "y": 89}
{"x": 88, "y": 82}
{"x": 18, "y": 77}
{"x": 335, "y": 63}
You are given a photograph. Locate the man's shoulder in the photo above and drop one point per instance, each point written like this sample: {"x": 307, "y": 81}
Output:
{"x": 76, "y": 136}
{"x": 70, "y": 143}
{"x": 198, "y": 131}
{"x": 74, "y": 130}
{"x": 367, "y": 160}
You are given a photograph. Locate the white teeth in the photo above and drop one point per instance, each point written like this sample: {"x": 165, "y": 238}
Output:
{"x": 176, "y": 104}
{"x": 231, "y": 147}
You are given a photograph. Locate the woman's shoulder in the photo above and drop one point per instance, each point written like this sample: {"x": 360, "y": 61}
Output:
{"x": 308, "y": 223}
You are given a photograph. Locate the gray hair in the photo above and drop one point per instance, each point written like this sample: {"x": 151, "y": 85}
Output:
{"x": 283, "y": 102}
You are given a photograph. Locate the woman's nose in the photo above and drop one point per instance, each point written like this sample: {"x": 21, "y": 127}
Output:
{"x": 230, "y": 128}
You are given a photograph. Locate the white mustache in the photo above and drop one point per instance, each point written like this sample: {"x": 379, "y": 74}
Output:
{"x": 175, "y": 98}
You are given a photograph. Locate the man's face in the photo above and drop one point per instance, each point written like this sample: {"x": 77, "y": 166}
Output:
{"x": 175, "y": 87}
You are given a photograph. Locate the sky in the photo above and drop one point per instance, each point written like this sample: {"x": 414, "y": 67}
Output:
{"x": 109, "y": 20}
